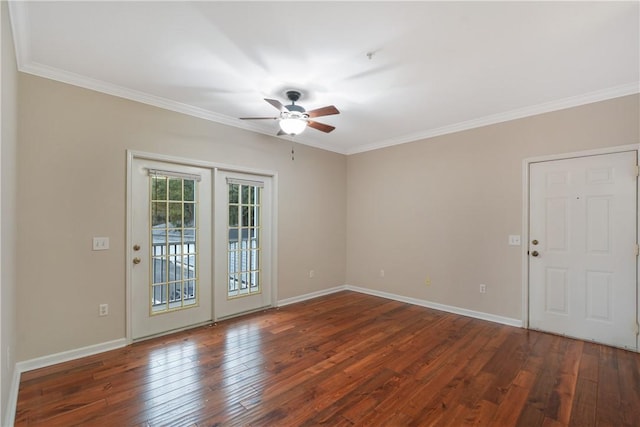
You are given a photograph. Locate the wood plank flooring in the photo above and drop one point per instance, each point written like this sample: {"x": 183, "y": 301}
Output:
{"x": 341, "y": 360}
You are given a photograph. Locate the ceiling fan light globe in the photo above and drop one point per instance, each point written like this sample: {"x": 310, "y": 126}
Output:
{"x": 293, "y": 126}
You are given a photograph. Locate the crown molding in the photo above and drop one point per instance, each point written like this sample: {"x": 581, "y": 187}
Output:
{"x": 561, "y": 104}
{"x": 21, "y": 29}
{"x": 56, "y": 74}
{"x": 171, "y": 105}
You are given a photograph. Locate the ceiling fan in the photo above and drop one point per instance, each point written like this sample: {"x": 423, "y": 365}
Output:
{"x": 293, "y": 119}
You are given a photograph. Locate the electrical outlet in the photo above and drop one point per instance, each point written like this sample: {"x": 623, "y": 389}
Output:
{"x": 381, "y": 273}
{"x": 427, "y": 281}
{"x": 103, "y": 309}
{"x": 483, "y": 288}
{"x": 311, "y": 273}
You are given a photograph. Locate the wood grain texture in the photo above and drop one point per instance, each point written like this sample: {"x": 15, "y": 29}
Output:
{"x": 341, "y": 360}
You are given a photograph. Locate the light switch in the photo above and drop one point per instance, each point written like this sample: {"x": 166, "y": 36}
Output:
{"x": 100, "y": 243}
{"x": 514, "y": 240}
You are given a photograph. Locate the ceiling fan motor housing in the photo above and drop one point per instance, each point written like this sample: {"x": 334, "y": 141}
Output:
{"x": 293, "y": 96}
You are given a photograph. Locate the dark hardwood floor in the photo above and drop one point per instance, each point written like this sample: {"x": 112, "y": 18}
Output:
{"x": 344, "y": 359}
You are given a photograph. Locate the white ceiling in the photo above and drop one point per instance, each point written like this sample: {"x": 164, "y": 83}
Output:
{"x": 436, "y": 67}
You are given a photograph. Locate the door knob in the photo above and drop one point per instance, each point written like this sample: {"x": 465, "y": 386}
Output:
{"x": 136, "y": 260}
{"x": 534, "y": 253}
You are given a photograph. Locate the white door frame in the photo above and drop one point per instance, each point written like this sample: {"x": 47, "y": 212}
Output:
{"x": 525, "y": 218}
{"x": 213, "y": 166}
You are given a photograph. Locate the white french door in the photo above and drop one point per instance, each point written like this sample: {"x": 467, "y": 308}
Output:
{"x": 243, "y": 248}
{"x": 582, "y": 248}
{"x": 171, "y": 286}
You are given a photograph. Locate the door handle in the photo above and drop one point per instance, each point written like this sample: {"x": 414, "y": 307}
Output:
{"x": 137, "y": 260}
{"x": 534, "y": 253}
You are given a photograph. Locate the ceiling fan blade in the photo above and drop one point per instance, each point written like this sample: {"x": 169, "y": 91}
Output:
{"x": 281, "y": 132}
{"x": 276, "y": 104}
{"x": 320, "y": 126}
{"x": 324, "y": 111}
{"x": 258, "y": 118}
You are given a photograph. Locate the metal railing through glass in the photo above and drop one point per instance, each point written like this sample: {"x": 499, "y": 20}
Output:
{"x": 173, "y": 272}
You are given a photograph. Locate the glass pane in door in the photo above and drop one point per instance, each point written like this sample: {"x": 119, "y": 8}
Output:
{"x": 243, "y": 248}
{"x": 174, "y": 254}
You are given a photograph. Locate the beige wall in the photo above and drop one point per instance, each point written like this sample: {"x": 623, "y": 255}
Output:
{"x": 443, "y": 208}
{"x": 72, "y": 175}
{"x": 8, "y": 144}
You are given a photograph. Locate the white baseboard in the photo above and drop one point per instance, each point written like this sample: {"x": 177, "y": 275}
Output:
{"x": 415, "y": 301}
{"x": 311, "y": 295}
{"x": 442, "y": 307}
{"x": 52, "y": 359}
{"x": 65, "y": 356}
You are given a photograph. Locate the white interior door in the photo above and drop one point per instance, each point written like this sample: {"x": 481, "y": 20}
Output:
{"x": 171, "y": 285}
{"x": 243, "y": 248}
{"x": 582, "y": 248}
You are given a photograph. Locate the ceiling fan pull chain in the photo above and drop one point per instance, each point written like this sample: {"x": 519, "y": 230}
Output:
{"x": 292, "y": 152}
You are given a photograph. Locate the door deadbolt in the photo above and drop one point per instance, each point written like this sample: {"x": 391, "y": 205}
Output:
{"x": 136, "y": 247}
{"x": 534, "y": 242}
